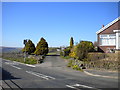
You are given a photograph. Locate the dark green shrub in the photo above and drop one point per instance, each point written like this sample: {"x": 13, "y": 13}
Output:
{"x": 29, "y": 47}
{"x": 42, "y": 47}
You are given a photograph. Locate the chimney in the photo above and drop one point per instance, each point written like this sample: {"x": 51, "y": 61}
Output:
{"x": 102, "y": 26}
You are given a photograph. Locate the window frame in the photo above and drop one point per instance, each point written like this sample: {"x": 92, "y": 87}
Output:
{"x": 107, "y": 37}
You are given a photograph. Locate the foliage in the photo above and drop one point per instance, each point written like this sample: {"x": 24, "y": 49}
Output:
{"x": 75, "y": 64}
{"x": 83, "y": 48}
{"x": 73, "y": 52}
{"x": 71, "y": 42}
{"x": 65, "y": 52}
{"x": 42, "y": 47}
{"x": 29, "y": 47}
{"x": 18, "y": 57}
{"x": 30, "y": 61}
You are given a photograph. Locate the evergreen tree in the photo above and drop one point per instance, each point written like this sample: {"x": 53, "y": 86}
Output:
{"x": 71, "y": 42}
{"x": 42, "y": 47}
{"x": 29, "y": 47}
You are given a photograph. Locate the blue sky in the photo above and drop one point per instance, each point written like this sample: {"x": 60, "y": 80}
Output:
{"x": 55, "y": 21}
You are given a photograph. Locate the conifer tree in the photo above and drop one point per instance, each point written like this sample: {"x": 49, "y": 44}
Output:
{"x": 71, "y": 42}
{"x": 42, "y": 47}
{"x": 29, "y": 47}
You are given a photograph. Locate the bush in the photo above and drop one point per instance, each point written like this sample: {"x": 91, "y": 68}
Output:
{"x": 42, "y": 47}
{"x": 83, "y": 48}
{"x": 65, "y": 52}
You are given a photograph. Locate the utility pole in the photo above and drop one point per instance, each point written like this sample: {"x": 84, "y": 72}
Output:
{"x": 24, "y": 42}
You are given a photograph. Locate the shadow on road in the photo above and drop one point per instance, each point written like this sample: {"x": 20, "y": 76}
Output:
{"x": 6, "y": 75}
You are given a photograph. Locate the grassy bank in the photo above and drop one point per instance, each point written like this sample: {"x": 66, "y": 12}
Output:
{"x": 18, "y": 57}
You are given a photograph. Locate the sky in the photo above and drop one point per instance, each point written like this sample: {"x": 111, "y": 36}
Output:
{"x": 54, "y": 21}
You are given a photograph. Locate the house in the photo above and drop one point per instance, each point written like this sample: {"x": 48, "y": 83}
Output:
{"x": 108, "y": 37}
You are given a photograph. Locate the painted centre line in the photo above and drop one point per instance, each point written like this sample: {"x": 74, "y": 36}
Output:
{"x": 15, "y": 67}
{"x": 40, "y": 75}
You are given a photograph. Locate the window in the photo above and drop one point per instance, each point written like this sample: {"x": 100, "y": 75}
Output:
{"x": 107, "y": 39}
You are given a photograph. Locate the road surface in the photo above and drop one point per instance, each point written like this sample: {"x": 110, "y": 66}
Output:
{"x": 53, "y": 73}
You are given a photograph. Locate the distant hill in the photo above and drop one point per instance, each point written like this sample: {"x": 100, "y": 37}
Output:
{"x": 9, "y": 49}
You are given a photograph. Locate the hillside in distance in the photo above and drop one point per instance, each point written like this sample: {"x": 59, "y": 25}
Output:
{"x": 9, "y": 49}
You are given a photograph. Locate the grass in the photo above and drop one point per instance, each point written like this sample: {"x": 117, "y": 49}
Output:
{"x": 51, "y": 53}
{"x": 27, "y": 60}
{"x": 30, "y": 61}
{"x": 19, "y": 58}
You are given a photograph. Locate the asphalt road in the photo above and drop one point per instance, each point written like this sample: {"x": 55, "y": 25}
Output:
{"x": 53, "y": 73}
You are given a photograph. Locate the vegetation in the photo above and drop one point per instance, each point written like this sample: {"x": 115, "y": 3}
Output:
{"x": 19, "y": 58}
{"x": 29, "y": 47}
{"x": 75, "y": 64}
{"x": 103, "y": 61}
{"x": 71, "y": 42}
{"x": 30, "y": 61}
{"x": 65, "y": 52}
{"x": 79, "y": 51}
{"x": 83, "y": 48}
{"x": 42, "y": 47}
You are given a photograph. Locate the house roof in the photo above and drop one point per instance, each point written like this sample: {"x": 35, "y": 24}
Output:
{"x": 108, "y": 25}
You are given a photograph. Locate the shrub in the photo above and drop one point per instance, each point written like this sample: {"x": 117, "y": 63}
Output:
{"x": 29, "y": 47}
{"x": 65, "y": 52}
{"x": 83, "y": 48}
{"x": 73, "y": 52}
{"x": 42, "y": 47}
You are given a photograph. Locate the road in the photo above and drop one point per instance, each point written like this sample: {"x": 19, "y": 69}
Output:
{"x": 53, "y": 73}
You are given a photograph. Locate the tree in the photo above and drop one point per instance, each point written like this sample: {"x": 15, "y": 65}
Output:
{"x": 71, "y": 42}
{"x": 29, "y": 47}
{"x": 42, "y": 47}
{"x": 83, "y": 48}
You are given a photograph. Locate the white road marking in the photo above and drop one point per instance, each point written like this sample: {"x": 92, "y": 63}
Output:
{"x": 40, "y": 75}
{"x": 15, "y": 67}
{"x": 30, "y": 65}
{"x": 70, "y": 86}
{"x": 80, "y": 85}
{"x": 11, "y": 63}
{"x": 77, "y": 86}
